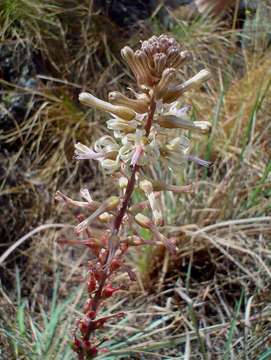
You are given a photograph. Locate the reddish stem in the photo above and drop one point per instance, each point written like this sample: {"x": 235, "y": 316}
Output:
{"x": 152, "y": 108}
{"x": 118, "y": 220}
{"x": 131, "y": 182}
{"x": 126, "y": 200}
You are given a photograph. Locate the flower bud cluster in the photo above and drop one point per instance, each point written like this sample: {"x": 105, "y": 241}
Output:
{"x": 154, "y": 56}
{"x": 156, "y": 68}
{"x": 148, "y": 129}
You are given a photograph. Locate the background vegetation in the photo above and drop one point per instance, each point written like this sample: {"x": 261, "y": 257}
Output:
{"x": 211, "y": 301}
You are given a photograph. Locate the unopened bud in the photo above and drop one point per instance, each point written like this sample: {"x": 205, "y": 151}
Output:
{"x": 115, "y": 264}
{"x": 76, "y": 345}
{"x": 87, "y": 305}
{"x": 86, "y": 345}
{"x": 83, "y": 326}
{"x": 196, "y": 80}
{"x": 98, "y": 273}
{"x": 105, "y": 217}
{"x": 92, "y": 352}
{"x": 108, "y": 291}
{"x": 91, "y": 314}
{"x": 139, "y": 64}
{"x": 91, "y": 284}
{"x": 134, "y": 240}
{"x": 129, "y": 56}
{"x": 146, "y": 186}
{"x": 143, "y": 221}
{"x": 123, "y": 182}
{"x": 112, "y": 202}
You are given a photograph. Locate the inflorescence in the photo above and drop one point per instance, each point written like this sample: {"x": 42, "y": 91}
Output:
{"x": 148, "y": 132}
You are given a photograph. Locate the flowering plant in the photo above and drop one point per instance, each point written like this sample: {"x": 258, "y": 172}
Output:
{"x": 147, "y": 134}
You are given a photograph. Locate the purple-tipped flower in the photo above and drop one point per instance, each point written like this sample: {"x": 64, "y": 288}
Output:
{"x": 199, "y": 161}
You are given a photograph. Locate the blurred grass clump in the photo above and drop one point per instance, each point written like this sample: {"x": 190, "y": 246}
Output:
{"x": 213, "y": 299}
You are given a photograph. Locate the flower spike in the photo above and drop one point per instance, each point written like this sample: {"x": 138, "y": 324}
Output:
{"x": 151, "y": 128}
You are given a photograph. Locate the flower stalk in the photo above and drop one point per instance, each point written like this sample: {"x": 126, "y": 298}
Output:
{"x": 148, "y": 132}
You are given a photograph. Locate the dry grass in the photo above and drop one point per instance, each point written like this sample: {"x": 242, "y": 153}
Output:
{"x": 211, "y": 301}
{"x": 46, "y": 49}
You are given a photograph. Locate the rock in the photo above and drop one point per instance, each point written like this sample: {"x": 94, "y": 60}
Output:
{"x": 126, "y": 12}
{"x": 17, "y": 67}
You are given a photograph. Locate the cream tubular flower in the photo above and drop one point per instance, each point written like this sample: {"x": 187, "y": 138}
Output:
{"x": 108, "y": 205}
{"x": 107, "y": 146}
{"x": 155, "y": 204}
{"x": 82, "y": 152}
{"x": 160, "y": 186}
{"x": 118, "y": 124}
{"x": 180, "y": 144}
{"x": 120, "y": 111}
{"x": 86, "y": 195}
{"x": 196, "y": 81}
{"x": 177, "y": 149}
{"x": 146, "y": 223}
{"x": 177, "y": 117}
{"x": 110, "y": 166}
{"x": 126, "y": 152}
{"x": 93, "y": 205}
{"x": 139, "y": 105}
{"x": 182, "y": 112}
{"x": 168, "y": 77}
{"x": 173, "y": 122}
{"x": 199, "y": 161}
{"x": 123, "y": 182}
{"x": 134, "y": 148}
